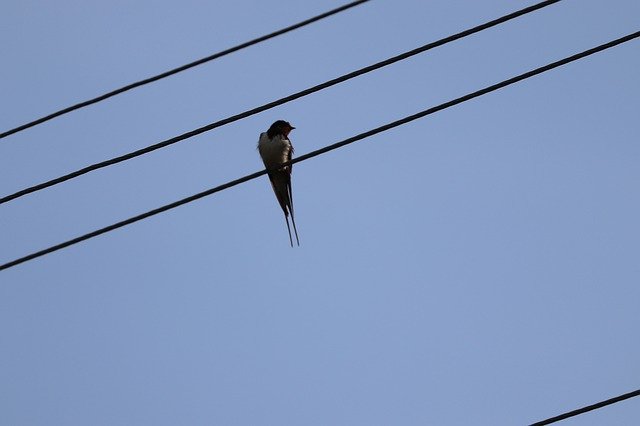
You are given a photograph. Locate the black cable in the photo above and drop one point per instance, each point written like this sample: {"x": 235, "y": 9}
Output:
{"x": 273, "y": 104}
{"x": 181, "y": 68}
{"x": 325, "y": 149}
{"x": 587, "y": 408}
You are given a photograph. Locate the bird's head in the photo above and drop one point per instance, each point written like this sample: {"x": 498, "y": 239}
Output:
{"x": 280, "y": 127}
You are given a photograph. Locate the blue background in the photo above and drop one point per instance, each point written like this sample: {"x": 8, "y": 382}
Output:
{"x": 478, "y": 266}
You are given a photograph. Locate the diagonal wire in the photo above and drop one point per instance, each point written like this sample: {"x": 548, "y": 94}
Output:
{"x": 588, "y": 408}
{"x": 325, "y": 149}
{"x": 275, "y": 103}
{"x": 180, "y": 68}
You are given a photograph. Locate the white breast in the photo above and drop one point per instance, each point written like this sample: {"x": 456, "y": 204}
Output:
{"x": 273, "y": 151}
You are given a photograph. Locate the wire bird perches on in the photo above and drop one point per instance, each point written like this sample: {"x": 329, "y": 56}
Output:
{"x": 326, "y": 149}
{"x": 588, "y": 408}
{"x": 275, "y": 103}
{"x": 180, "y": 69}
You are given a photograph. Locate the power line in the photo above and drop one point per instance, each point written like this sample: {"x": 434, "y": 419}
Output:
{"x": 275, "y": 103}
{"x": 325, "y": 149}
{"x": 587, "y": 408}
{"x": 181, "y": 68}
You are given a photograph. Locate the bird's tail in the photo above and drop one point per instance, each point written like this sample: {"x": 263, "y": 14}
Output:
{"x": 281, "y": 183}
{"x": 293, "y": 220}
{"x": 286, "y": 219}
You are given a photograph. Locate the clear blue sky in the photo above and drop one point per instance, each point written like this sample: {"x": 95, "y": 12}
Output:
{"x": 479, "y": 266}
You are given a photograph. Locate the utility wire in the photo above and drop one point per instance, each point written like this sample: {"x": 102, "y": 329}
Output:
{"x": 275, "y": 103}
{"x": 588, "y": 408}
{"x": 181, "y": 68}
{"x": 325, "y": 149}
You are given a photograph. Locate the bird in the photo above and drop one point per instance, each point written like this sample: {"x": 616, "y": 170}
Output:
{"x": 275, "y": 148}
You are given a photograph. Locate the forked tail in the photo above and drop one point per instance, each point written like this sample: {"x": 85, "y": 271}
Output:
{"x": 286, "y": 219}
{"x": 294, "y": 230}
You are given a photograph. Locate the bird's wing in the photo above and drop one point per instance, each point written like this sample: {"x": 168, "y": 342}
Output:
{"x": 281, "y": 184}
{"x": 290, "y": 192}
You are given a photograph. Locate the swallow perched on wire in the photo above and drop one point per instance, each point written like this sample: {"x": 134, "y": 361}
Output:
{"x": 275, "y": 148}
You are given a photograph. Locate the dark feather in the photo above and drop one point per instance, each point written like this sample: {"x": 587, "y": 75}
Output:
{"x": 281, "y": 184}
